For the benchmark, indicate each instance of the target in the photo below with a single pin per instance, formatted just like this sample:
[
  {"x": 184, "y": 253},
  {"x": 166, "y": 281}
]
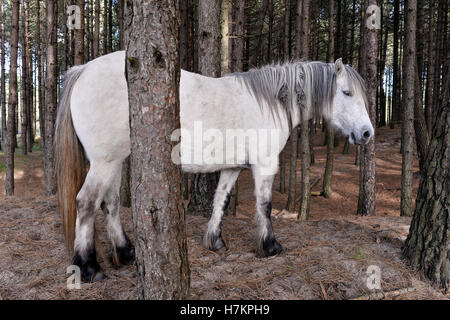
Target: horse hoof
[
  {"x": 126, "y": 254},
  {"x": 214, "y": 242},
  {"x": 98, "y": 276},
  {"x": 270, "y": 247},
  {"x": 90, "y": 269}
]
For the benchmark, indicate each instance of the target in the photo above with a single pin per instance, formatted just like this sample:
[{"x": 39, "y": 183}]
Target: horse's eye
[{"x": 347, "y": 93}]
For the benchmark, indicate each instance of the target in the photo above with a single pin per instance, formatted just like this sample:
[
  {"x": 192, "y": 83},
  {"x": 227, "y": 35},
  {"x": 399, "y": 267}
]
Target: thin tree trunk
[
  {"x": 40, "y": 62},
  {"x": 3, "y": 77},
  {"x": 238, "y": 48},
  {"x": 259, "y": 29},
  {"x": 406, "y": 208},
  {"x": 158, "y": 214},
  {"x": 368, "y": 204},
  {"x": 105, "y": 27},
  {"x": 430, "y": 67},
  {"x": 9, "y": 149},
  {"x": 120, "y": 19},
  {"x": 304, "y": 133},
  {"x": 24, "y": 82},
  {"x": 326, "y": 190},
  {"x": 97, "y": 29},
  {"x": 396, "y": 77},
  {"x": 352, "y": 35},
  {"x": 203, "y": 186},
  {"x": 51, "y": 99},
  {"x": 79, "y": 36},
  {"x": 110, "y": 24}
]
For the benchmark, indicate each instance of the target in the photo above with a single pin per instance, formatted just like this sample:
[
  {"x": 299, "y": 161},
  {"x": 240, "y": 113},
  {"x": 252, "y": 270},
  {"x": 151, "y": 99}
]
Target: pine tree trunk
[
  {"x": 203, "y": 186},
  {"x": 430, "y": 67},
  {"x": 426, "y": 247},
  {"x": 352, "y": 35},
  {"x": 105, "y": 27},
  {"x": 79, "y": 36},
  {"x": 12, "y": 101},
  {"x": 368, "y": 205},
  {"x": 406, "y": 208},
  {"x": 304, "y": 132},
  {"x": 259, "y": 29},
  {"x": 97, "y": 29},
  {"x": 40, "y": 65},
  {"x": 239, "y": 43},
  {"x": 51, "y": 99},
  {"x": 396, "y": 80},
  {"x": 3, "y": 80},
  {"x": 326, "y": 190},
  {"x": 110, "y": 24},
  {"x": 158, "y": 214},
  {"x": 24, "y": 82}
]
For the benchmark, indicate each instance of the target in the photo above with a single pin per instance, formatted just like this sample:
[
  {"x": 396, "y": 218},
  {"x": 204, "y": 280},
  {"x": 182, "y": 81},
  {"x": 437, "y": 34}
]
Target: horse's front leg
[
  {"x": 267, "y": 245},
  {"x": 213, "y": 236}
]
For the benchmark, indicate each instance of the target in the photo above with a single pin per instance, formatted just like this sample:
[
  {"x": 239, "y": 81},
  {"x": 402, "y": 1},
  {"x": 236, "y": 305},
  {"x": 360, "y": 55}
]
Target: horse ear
[{"x": 339, "y": 67}]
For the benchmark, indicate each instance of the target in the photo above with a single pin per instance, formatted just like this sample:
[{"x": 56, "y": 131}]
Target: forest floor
[{"x": 326, "y": 257}]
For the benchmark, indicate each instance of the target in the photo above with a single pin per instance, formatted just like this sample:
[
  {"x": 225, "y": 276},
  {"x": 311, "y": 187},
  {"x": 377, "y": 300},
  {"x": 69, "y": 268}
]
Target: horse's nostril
[{"x": 366, "y": 134}]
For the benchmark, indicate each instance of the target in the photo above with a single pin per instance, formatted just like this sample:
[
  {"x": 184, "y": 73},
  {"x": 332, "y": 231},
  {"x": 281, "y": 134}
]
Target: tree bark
[
  {"x": 24, "y": 83},
  {"x": 12, "y": 101},
  {"x": 105, "y": 27},
  {"x": 368, "y": 204},
  {"x": 259, "y": 29},
  {"x": 51, "y": 99},
  {"x": 396, "y": 77},
  {"x": 427, "y": 244},
  {"x": 3, "y": 79},
  {"x": 304, "y": 132},
  {"x": 430, "y": 66},
  {"x": 97, "y": 30},
  {"x": 152, "y": 35},
  {"x": 40, "y": 65},
  {"x": 406, "y": 208},
  {"x": 110, "y": 23},
  {"x": 326, "y": 190},
  {"x": 79, "y": 36},
  {"x": 203, "y": 186}
]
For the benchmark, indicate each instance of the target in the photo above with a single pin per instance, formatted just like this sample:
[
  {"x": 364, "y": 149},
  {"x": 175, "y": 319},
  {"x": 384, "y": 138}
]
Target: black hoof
[
  {"x": 270, "y": 247},
  {"x": 90, "y": 269},
  {"x": 214, "y": 242},
  {"x": 126, "y": 254}
]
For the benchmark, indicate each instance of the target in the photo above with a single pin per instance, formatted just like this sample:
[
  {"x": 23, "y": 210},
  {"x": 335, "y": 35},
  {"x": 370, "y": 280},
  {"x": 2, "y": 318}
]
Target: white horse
[{"x": 93, "y": 121}]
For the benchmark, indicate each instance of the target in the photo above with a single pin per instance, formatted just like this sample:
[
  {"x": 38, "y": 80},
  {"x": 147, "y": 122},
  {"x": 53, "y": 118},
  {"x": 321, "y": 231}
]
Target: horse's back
[{"x": 99, "y": 107}]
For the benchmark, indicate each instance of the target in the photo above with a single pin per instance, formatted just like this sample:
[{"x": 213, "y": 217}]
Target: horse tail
[{"x": 70, "y": 158}]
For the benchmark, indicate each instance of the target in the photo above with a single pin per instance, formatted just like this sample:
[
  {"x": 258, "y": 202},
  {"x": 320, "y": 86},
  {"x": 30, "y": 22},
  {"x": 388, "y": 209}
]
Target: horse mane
[{"x": 310, "y": 84}]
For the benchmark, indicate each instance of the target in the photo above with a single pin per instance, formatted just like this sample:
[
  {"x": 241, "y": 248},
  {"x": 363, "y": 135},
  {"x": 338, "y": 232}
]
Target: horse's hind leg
[
  {"x": 123, "y": 249},
  {"x": 88, "y": 201},
  {"x": 267, "y": 245},
  {"x": 213, "y": 236}
]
